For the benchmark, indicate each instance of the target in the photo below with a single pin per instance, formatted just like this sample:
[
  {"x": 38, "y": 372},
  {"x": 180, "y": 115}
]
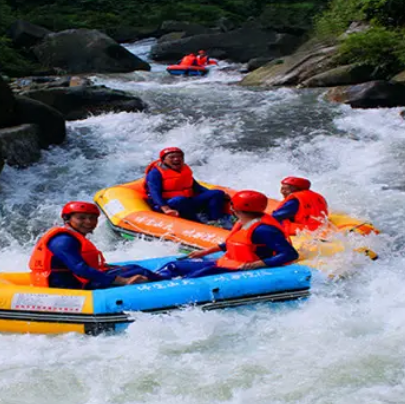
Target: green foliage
[
  {"x": 13, "y": 63},
  {"x": 6, "y": 16},
  {"x": 337, "y": 18},
  {"x": 378, "y": 47},
  {"x": 385, "y": 12}
]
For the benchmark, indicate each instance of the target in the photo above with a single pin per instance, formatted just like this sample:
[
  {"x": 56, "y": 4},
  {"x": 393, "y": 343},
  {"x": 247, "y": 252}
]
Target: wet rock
[
  {"x": 255, "y": 63},
  {"x": 131, "y": 34},
  {"x": 19, "y": 145},
  {"x": 7, "y": 103},
  {"x": 240, "y": 45},
  {"x": 173, "y": 36},
  {"x": 374, "y": 94},
  {"x": 25, "y": 34},
  {"x": 309, "y": 60},
  {"x": 86, "y": 51},
  {"x": 399, "y": 78},
  {"x": 51, "y": 124},
  {"x": 341, "y": 75},
  {"x": 80, "y": 102}
]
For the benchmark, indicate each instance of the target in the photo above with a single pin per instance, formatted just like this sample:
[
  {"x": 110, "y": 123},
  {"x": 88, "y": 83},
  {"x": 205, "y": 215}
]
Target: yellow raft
[{"x": 129, "y": 214}]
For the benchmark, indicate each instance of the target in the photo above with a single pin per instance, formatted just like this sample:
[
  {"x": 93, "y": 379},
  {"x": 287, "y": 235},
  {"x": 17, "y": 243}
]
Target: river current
[{"x": 343, "y": 345}]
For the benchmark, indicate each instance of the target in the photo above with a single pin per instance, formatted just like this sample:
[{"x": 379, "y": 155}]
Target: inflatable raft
[
  {"x": 179, "y": 70},
  {"x": 129, "y": 214},
  {"x": 28, "y": 309}
]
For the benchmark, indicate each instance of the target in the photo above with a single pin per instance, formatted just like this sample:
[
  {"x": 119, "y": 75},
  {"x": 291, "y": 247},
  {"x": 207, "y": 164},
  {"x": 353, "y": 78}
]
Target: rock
[
  {"x": 188, "y": 28},
  {"x": 86, "y": 51},
  {"x": 399, "y": 78},
  {"x": 255, "y": 63},
  {"x": 80, "y": 102},
  {"x": 354, "y": 28},
  {"x": 7, "y": 103},
  {"x": 173, "y": 36},
  {"x": 240, "y": 45},
  {"x": 25, "y": 34},
  {"x": 51, "y": 124},
  {"x": 374, "y": 94},
  {"x": 402, "y": 114},
  {"x": 19, "y": 145},
  {"x": 309, "y": 60},
  {"x": 225, "y": 24},
  {"x": 339, "y": 76},
  {"x": 131, "y": 34}
]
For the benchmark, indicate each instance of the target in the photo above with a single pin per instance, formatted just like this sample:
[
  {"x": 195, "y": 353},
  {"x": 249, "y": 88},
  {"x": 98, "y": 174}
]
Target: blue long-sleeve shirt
[
  {"x": 154, "y": 185},
  {"x": 271, "y": 241},
  {"x": 287, "y": 211},
  {"x": 66, "y": 251}
]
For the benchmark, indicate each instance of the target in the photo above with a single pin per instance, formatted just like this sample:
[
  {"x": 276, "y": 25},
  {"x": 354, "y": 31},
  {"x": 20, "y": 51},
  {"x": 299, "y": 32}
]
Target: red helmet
[
  {"x": 300, "y": 183},
  {"x": 249, "y": 201},
  {"x": 80, "y": 207},
  {"x": 168, "y": 150},
  {"x": 202, "y": 52}
]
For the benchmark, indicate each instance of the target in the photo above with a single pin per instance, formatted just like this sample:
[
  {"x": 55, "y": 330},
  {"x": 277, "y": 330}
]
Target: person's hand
[
  {"x": 119, "y": 280},
  {"x": 252, "y": 265},
  {"x": 169, "y": 211},
  {"x": 197, "y": 254}
]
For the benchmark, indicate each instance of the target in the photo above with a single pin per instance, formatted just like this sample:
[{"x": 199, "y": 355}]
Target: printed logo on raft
[{"x": 45, "y": 302}]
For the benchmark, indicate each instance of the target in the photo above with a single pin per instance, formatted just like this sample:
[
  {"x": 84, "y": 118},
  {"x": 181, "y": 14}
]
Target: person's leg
[
  {"x": 212, "y": 202},
  {"x": 207, "y": 271},
  {"x": 182, "y": 268},
  {"x": 126, "y": 271},
  {"x": 185, "y": 207}
]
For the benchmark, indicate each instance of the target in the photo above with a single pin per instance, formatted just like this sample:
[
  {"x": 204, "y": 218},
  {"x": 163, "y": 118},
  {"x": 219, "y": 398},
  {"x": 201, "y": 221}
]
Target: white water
[{"x": 344, "y": 345}]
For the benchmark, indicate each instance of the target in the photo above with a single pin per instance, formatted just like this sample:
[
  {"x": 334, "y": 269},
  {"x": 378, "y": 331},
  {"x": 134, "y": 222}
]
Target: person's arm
[
  {"x": 287, "y": 211},
  {"x": 154, "y": 185},
  {"x": 203, "y": 253},
  {"x": 66, "y": 249},
  {"x": 274, "y": 240},
  {"x": 198, "y": 188}
]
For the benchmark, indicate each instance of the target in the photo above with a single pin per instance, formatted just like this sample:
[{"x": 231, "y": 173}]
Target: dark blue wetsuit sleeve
[
  {"x": 287, "y": 211},
  {"x": 198, "y": 188},
  {"x": 274, "y": 241},
  {"x": 66, "y": 249},
  {"x": 222, "y": 246},
  {"x": 154, "y": 185}
]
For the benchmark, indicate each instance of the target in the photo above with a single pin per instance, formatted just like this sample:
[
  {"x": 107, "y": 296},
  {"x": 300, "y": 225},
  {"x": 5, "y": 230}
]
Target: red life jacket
[
  {"x": 174, "y": 183},
  {"x": 239, "y": 246},
  {"x": 40, "y": 262},
  {"x": 202, "y": 60},
  {"x": 188, "y": 60},
  {"x": 311, "y": 213}
]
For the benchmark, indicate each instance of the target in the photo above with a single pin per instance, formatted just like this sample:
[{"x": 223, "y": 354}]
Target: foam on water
[{"x": 345, "y": 344}]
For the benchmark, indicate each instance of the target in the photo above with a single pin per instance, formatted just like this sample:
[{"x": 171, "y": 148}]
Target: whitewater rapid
[{"x": 344, "y": 345}]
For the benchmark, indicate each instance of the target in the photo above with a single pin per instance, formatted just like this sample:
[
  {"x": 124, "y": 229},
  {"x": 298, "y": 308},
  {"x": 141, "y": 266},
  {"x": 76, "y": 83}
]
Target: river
[{"x": 343, "y": 345}]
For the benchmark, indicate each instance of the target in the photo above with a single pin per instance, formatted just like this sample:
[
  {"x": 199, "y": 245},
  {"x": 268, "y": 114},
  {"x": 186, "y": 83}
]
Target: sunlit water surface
[{"x": 344, "y": 345}]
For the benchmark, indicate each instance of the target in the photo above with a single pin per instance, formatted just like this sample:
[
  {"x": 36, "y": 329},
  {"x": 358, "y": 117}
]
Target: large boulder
[
  {"x": 19, "y": 145},
  {"x": 240, "y": 45},
  {"x": 399, "y": 78},
  {"x": 7, "y": 103},
  {"x": 188, "y": 28},
  {"x": 340, "y": 76},
  {"x": 131, "y": 34},
  {"x": 374, "y": 94},
  {"x": 80, "y": 102},
  {"x": 86, "y": 51},
  {"x": 25, "y": 34},
  {"x": 51, "y": 124},
  {"x": 309, "y": 60}
]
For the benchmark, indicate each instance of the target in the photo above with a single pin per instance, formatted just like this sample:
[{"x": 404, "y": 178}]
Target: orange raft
[{"x": 129, "y": 214}]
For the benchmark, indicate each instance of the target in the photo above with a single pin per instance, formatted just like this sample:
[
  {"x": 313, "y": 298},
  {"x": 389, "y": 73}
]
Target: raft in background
[
  {"x": 129, "y": 214},
  {"x": 179, "y": 70},
  {"x": 29, "y": 309}
]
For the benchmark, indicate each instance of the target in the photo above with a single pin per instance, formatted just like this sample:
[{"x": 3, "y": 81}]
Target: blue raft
[{"x": 285, "y": 283}]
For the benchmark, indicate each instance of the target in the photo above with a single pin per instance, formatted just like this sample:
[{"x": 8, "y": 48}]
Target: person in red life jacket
[
  {"x": 204, "y": 60},
  {"x": 65, "y": 258},
  {"x": 172, "y": 189},
  {"x": 257, "y": 240},
  {"x": 189, "y": 60},
  {"x": 301, "y": 208}
]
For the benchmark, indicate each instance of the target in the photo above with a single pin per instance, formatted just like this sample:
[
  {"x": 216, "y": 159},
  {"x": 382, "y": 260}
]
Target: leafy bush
[
  {"x": 337, "y": 18},
  {"x": 385, "y": 12},
  {"x": 378, "y": 47}
]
